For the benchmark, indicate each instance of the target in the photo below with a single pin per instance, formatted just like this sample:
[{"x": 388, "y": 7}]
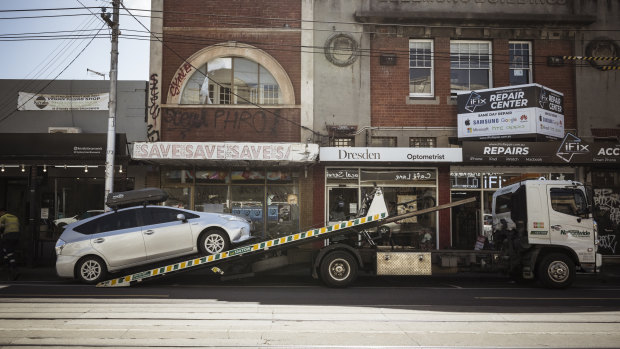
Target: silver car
[{"x": 90, "y": 248}]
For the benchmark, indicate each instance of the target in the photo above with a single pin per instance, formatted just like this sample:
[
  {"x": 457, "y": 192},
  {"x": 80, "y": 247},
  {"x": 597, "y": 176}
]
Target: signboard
[
  {"x": 297, "y": 152},
  {"x": 386, "y": 154},
  {"x": 31, "y": 101},
  {"x": 523, "y": 111},
  {"x": 571, "y": 150},
  {"x": 68, "y": 147}
]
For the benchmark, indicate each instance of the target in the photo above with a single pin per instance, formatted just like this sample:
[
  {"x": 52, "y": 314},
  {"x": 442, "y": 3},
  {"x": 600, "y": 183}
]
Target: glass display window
[
  {"x": 211, "y": 198},
  {"x": 282, "y": 210}
]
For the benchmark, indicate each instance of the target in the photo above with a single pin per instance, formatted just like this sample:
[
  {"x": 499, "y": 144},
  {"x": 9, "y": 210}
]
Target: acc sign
[{"x": 609, "y": 151}]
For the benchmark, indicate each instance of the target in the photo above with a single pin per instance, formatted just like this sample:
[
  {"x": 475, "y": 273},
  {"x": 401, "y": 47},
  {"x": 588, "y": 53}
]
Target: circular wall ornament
[
  {"x": 341, "y": 49},
  {"x": 603, "y": 48}
]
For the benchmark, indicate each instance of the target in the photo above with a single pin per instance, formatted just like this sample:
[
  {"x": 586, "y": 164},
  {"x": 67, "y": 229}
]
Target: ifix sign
[{"x": 524, "y": 111}]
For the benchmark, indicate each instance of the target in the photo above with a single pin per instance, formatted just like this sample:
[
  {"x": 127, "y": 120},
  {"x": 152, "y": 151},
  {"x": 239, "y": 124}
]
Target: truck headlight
[{"x": 60, "y": 244}]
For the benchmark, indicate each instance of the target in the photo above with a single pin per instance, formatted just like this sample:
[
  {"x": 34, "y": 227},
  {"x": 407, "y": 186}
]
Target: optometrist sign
[
  {"x": 523, "y": 111},
  {"x": 385, "y": 154}
]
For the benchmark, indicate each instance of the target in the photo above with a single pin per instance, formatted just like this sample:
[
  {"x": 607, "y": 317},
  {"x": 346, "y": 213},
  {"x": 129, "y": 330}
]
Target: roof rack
[{"x": 136, "y": 197}]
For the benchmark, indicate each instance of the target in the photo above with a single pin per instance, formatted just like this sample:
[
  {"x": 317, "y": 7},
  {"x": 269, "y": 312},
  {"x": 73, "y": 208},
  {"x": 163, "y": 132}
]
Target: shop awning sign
[
  {"x": 511, "y": 112},
  {"x": 51, "y": 102},
  {"x": 294, "y": 152},
  {"x": 570, "y": 150},
  {"x": 386, "y": 154}
]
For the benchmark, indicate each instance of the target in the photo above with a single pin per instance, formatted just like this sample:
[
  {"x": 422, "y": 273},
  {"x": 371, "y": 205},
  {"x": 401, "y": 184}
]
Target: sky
[{"x": 46, "y": 59}]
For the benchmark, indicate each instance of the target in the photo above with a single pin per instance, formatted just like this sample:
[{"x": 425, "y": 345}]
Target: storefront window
[
  {"x": 211, "y": 198},
  {"x": 178, "y": 197},
  {"x": 405, "y": 190},
  {"x": 249, "y": 201},
  {"x": 282, "y": 210}
]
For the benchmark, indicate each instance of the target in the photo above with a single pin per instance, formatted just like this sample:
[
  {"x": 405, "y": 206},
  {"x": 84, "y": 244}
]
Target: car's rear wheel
[
  {"x": 91, "y": 270},
  {"x": 212, "y": 242}
]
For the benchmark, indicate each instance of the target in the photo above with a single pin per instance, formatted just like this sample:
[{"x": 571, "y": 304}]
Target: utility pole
[{"x": 109, "y": 159}]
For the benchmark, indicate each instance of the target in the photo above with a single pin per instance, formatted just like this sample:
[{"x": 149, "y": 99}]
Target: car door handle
[
  {"x": 149, "y": 232},
  {"x": 99, "y": 240}
]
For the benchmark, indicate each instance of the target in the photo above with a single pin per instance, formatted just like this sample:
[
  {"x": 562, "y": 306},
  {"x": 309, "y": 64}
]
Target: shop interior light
[
  {"x": 85, "y": 168},
  {"x": 2, "y": 168},
  {"x": 120, "y": 169},
  {"x": 23, "y": 168},
  {"x": 44, "y": 168}
]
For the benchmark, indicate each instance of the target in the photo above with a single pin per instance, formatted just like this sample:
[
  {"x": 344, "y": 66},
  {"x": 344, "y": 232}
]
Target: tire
[
  {"x": 212, "y": 242},
  {"x": 556, "y": 270},
  {"x": 338, "y": 269},
  {"x": 91, "y": 270}
]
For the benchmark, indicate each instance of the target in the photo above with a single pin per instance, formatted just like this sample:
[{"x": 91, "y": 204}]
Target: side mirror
[{"x": 181, "y": 217}]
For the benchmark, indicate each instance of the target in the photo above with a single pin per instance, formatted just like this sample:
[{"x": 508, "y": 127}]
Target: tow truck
[{"x": 542, "y": 230}]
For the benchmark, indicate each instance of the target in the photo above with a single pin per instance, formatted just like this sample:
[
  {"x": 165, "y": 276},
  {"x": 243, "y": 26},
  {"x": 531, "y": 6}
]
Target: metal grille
[{"x": 404, "y": 263}]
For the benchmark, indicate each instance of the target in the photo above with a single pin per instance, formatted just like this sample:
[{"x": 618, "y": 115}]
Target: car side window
[
  {"x": 118, "y": 220},
  {"x": 158, "y": 215}
]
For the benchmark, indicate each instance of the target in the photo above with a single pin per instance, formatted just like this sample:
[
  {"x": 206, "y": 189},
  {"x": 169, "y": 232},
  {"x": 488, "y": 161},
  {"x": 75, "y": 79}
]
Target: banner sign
[
  {"x": 297, "y": 152},
  {"x": 571, "y": 150},
  {"x": 511, "y": 112},
  {"x": 386, "y": 154},
  {"x": 31, "y": 101}
]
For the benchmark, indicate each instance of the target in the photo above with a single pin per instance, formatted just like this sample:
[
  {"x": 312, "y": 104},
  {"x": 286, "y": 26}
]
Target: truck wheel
[
  {"x": 91, "y": 270},
  {"x": 338, "y": 269},
  {"x": 212, "y": 242},
  {"x": 556, "y": 270}
]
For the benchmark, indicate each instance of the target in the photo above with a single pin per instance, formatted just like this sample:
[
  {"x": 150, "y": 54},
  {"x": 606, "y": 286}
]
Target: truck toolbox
[{"x": 144, "y": 196}]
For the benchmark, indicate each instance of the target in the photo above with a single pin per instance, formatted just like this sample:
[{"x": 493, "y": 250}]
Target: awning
[
  {"x": 229, "y": 154},
  {"x": 59, "y": 148}
]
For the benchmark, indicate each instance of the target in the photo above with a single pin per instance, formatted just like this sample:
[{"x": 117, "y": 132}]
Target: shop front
[
  {"x": 489, "y": 165},
  {"x": 411, "y": 179},
  {"x": 45, "y": 177},
  {"x": 264, "y": 182}
]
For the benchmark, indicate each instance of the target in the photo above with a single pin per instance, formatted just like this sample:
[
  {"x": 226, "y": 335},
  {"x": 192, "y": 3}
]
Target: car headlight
[
  {"x": 234, "y": 218},
  {"x": 60, "y": 244}
]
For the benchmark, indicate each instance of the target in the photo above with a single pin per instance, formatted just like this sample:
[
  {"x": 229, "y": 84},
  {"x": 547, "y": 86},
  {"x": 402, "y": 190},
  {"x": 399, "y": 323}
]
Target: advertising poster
[{"x": 524, "y": 111}]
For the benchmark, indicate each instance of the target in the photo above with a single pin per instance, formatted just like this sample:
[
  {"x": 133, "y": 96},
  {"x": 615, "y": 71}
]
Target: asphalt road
[{"x": 295, "y": 311}]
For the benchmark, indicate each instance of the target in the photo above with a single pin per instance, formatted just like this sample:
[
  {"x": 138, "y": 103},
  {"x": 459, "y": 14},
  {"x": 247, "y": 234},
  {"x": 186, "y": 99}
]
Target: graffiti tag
[
  {"x": 608, "y": 242},
  {"x": 608, "y": 201},
  {"x": 154, "y": 109},
  {"x": 177, "y": 81}
]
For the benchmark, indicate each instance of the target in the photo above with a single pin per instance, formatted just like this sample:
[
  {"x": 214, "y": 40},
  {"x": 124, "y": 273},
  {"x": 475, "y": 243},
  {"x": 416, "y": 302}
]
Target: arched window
[{"x": 231, "y": 80}]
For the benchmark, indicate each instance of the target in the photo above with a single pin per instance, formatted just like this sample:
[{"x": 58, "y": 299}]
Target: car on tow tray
[{"x": 129, "y": 237}]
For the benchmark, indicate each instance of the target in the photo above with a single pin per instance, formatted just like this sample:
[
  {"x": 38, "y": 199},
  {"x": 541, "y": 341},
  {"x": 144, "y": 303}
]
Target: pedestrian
[{"x": 9, "y": 241}]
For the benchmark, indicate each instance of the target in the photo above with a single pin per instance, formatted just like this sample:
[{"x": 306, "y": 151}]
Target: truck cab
[{"x": 546, "y": 230}]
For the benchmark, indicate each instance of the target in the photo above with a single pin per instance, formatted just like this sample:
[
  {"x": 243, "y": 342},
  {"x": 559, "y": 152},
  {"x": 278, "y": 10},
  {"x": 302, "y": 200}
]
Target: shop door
[
  {"x": 466, "y": 220},
  {"x": 342, "y": 203}
]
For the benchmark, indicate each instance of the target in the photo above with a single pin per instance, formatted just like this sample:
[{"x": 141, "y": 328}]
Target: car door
[
  {"x": 570, "y": 224},
  {"x": 118, "y": 238},
  {"x": 164, "y": 234}
]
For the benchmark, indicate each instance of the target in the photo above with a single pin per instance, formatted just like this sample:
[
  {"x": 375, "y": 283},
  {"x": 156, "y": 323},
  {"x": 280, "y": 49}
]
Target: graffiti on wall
[
  {"x": 221, "y": 120},
  {"x": 153, "y": 125},
  {"x": 178, "y": 79},
  {"x": 607, "y": 215}
]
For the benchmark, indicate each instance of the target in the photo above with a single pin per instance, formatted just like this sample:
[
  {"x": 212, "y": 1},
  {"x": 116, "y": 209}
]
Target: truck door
[{"x": 571, "y": 224}]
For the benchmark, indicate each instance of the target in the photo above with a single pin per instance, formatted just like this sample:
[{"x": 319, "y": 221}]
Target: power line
[{"x": 54, "y": 79}]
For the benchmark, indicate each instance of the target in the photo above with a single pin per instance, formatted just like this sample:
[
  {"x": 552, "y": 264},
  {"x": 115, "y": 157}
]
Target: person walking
[{"x": 9, "y": 241}]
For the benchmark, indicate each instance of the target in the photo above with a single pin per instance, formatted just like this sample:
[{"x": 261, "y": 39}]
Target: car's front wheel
[
  {"x": 212, "y": 242},
  {"x": 91, "y": 270}
]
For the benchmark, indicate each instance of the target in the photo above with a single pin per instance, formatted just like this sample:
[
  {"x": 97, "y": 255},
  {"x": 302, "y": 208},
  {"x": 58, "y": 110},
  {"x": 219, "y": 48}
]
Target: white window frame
[
  {"x": 490, "y": 69},
  {"x": 432, "y": 68},
  {"x": 530, "y": 66}
]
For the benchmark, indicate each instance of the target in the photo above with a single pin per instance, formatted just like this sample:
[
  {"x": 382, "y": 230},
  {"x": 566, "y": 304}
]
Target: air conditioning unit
[{"x": 64, "y": 130}]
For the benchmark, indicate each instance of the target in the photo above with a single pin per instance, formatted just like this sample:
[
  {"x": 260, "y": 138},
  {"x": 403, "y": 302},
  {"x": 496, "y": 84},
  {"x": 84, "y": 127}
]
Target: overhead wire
[
  {"x": 54, "y": 79},
  {"x": 47, "y": 66}
]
